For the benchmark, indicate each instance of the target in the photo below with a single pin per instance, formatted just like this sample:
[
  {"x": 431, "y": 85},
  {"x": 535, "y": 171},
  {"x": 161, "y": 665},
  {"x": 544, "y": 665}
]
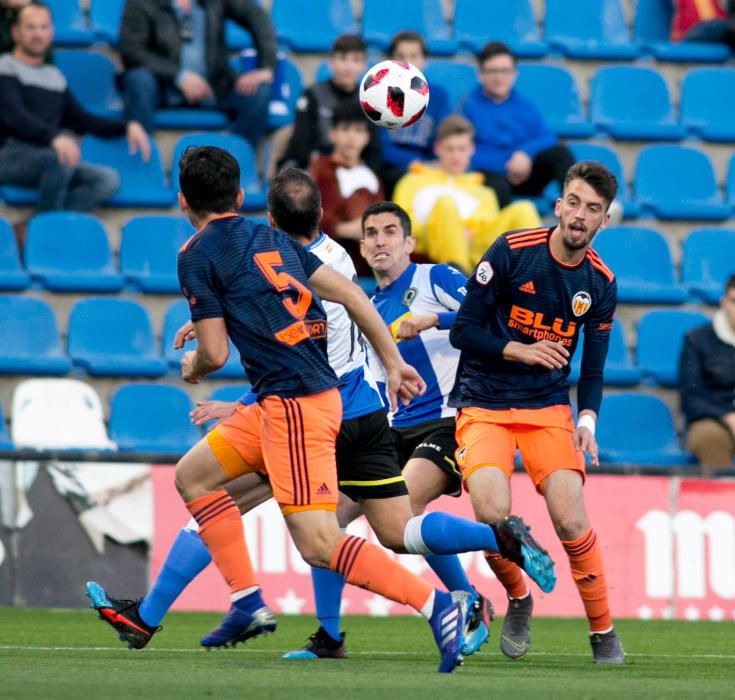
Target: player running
[{"x": 518, "y": 328}]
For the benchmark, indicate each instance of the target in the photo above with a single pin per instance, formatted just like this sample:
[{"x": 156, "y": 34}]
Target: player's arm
[{"x": 211, "y": 352}]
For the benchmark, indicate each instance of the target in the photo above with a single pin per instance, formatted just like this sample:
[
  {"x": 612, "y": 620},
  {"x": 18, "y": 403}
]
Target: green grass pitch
[{"x": 70, "y": 654}]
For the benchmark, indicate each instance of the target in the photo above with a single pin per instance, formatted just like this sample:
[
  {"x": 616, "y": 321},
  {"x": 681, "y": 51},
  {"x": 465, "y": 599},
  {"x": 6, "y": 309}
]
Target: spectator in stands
[
  {"x": 8, "y": 8},
  {"x": 35, "y": 106},
  {"x": 401, "y": 147},
  {"x": 175, "y": 56},
  {"x": 516, "y": 151},
  {"x": 454, "y": 217},
  {"x": 707, "y": 386},
  {"x": 316, "y": 106},
  {"x": 707, "y": 21},
  {"x": 347, "y": 185}
]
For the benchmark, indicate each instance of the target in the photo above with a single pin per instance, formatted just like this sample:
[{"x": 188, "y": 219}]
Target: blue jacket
[{"x": 500, "y": 129}]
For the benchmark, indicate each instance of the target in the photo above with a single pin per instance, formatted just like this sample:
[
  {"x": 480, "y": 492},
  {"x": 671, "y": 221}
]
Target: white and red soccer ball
[{"x": 394, "y": 94}]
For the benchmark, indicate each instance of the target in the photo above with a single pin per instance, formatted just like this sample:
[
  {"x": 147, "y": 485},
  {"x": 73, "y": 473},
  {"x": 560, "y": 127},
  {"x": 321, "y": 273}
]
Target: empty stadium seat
[
  {"x": 255, "y": 192},
  {"x": 187, "y": 118},
  {"x": 730, "y": 184},
  {"x": 141, "y": 184},
  {"x": 104, "y": 19},
  {"x": 152, "y": 418},
  {"x": 315, "y": 30},
  {"x": 637, "y": 429},
  {"x": 69, "y": 252},
  {"x": 478, "y": 21},
  {"x": 91, "y": 79},
  {"x": 689, "y": 190},
  {"x": 31, "y": 342},
  {"x": 18, "y": 196},
  {"x": 381, "y": 19},
  {"x": 70, "y": 25},
  {"x": 633, "y": 102},
  {"x": 619, "y": 369},
  {"x": 593, "y": 29},
  {"x": 287, "y": 88},
  {"x": 660, "y": 337},
  {"x": 231, "y": 392},
  {"x": 458, "y": 79},
  {"x": 553, "y": 88},
  {"x": 641, "y": 261},
  {"x": 113, "y": 337},
  {"x": 12, "y": 275},
  {"x": 706, "y": 98},
  {"x": 708, "y": 260},
  {"x": 149, "y": 247}
]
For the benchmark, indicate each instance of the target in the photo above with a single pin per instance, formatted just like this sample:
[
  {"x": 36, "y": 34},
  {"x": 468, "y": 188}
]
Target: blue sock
[
  {"x": 449, "y": 571},
  {"x": 447, "y": 534},
  {"x": 187, "y": 557},
  {"x": 251, "y": 602},
  {"x": 328, "y": 587}
]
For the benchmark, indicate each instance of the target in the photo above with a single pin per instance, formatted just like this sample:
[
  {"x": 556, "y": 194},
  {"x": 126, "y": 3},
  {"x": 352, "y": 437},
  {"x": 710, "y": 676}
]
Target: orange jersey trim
[
  {"x": 596, "y": 262},
  {"x": 527, "y": 243}
]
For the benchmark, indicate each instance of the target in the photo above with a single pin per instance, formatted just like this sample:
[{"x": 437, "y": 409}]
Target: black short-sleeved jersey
[
  {"x": 256, "y": 279},
  {"x": 520, "y": 292}
]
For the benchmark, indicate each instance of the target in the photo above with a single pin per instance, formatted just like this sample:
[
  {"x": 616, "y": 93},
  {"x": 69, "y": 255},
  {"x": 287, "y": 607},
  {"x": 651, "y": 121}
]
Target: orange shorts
[
  {"x": 490, "y": 438},
  {"x": 291, "y": 440}
]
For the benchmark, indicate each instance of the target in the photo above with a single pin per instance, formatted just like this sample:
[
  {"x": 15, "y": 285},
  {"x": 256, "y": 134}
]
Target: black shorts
[
  {"x": 367, "y": 462},
  {"x": 435, "y": 441}
]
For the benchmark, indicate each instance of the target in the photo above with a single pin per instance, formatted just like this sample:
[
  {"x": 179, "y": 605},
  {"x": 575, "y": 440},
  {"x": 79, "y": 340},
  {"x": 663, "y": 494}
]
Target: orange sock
[
  {"x": 588, "y": 572},
  {"x": 508, "y": 574},
  {"x": 220, "y": 528},
  {"x": 368, "y": 566}
]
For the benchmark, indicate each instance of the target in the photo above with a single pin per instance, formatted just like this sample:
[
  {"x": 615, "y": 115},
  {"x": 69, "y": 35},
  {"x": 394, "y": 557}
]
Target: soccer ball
[{"x": 394, "y": 94}]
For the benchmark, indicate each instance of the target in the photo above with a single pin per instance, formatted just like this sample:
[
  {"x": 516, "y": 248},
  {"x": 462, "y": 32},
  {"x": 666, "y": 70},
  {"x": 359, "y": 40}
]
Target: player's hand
[
  {"x": 248, "y": 83},
  {"x": 206, "y": 411},
  {"x": 67, "y": 150},
  {"x": 195, "y": 88},
  {"x": 138, "y": 141},
  {"x": 187, "y": 368},
  {"x": 544, "y": 352},
  {"x": 184, "y": 335},
  {"x": 409, "y": 328},
  {"x": 404, "y": 383},
  {"x": 584, "y": 441},
  {"x": 518, "y": 168}
]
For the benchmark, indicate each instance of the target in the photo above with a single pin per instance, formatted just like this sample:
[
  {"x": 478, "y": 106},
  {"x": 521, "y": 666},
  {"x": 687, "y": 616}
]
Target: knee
[
  {"x": 392, "y": 538},
  {"x": 108, "y": 182},
  {"x": 140, "y": 81},
  {"x": 489, "y": 513},
  {"x": 570, "y": 526},
  {"x": 317, "y": 550}
]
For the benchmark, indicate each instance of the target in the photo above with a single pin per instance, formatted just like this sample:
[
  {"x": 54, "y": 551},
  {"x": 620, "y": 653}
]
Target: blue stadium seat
[
  {"x": 593, "y": 29},
  {"x": 708, "y": 260},
  {"x": 69, "y": 252},
  {"x": 230, "y": 392},
  {"x": 287, "y": 88},
  {"x": 12, "y": 275},
  {"x": 706, "y": 97},
  {"x": 381, "y": 19},
  {"x": 237, "y": 38},
  {"x": 730, "y": 184},
  {"x": 114, "y": 338},
  {"x": 637, "y": 429},
  {"x": 187, "y": 118},
  {"x": 689, "y": 190},
  {"x": 641, "y": 261},
  {"x": 660, "y": 337},
  {"x": 31, "y": 343},
  {"x": 149, "y": 247},
  {"x": 5, "y": 442},
  {"x": 152, "y": 418},
  {"x": 255, "y": 192},
  {"x": 141, "y": 184},
  {"x": 651, "y": 30},
  {"x": 619, "y": 368},
  {"x": 70, "y": 25},
  {"x": 632, "y": 102},
  {"x": 18, "y": 196},
  {"x": 91, "y": 78},
  {"x": 313, "y": 30},
  {"x": 104, "y": 18},
  {"x": 478, "y": 21},
  {"x": 553, "y": 88},
  {"x": 458, "y": 79}
]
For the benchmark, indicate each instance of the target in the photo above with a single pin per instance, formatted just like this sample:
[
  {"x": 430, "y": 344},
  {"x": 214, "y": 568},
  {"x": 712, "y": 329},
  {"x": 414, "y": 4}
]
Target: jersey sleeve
[
  {"x": 449, "y": 287},
  {"x": 309, "y": 261},
  {"x": 199, "y": 285}
]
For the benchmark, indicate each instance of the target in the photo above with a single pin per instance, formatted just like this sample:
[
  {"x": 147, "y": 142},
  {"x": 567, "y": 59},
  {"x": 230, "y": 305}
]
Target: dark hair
[
  {"x": 388, "y": 208},
  {"x": 294, "y": 202},
  {"x": 34, "y": 3},
  {"x": 407, "y": 35},
  {"x": 454, "y": 125},
  {"x": 730, "y": 283},
  {"x": 493, "y": 49},
  {"x": 209, "y": 179},
  {"x": 348, "y": 43},
  {"x": 596, "y": 175},
  {"x": 348, "y": 113}
]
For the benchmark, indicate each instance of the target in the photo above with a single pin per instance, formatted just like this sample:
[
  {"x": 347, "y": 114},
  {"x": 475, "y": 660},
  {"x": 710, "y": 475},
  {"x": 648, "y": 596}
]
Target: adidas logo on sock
[
  {"x": 323, "y": 490},
  {"x": 528, "y": 288}
]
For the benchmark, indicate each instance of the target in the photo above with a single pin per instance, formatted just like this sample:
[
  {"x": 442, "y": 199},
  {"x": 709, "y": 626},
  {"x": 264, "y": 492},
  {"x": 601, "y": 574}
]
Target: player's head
[
  {"x": 410, "y": 47},
  {"x": 347, "y": 60},
  {"x": 32, "y": 29},
  {"x": 582, "y": 209},
  {"x": 496, "y": 66},
  {"x": 454, "y": 145},
  {"x": 386, "y": 242},
  {"x": 349, "y": 133},
  {"x": 727, "y": 303},
  {"x": 209, "y": 182},
  {"x": 294, "y": 203}
]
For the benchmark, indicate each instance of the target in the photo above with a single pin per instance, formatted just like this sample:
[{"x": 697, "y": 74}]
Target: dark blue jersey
[
  {"x": 520, "y": 292},
  {"x": 255, "y": 278}
]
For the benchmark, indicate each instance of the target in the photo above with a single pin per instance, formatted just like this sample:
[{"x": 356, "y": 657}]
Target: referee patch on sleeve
[{"x": 484, "y": 273}]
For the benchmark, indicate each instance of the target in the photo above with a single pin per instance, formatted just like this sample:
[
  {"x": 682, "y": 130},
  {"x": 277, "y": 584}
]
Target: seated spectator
[
  {"x": 35, "y": 105},
  {"x": 454, "y": 217},
  {"x": 414, "y": 143},
  {"x": 174, "y": 55},
  {"x": 516, "y": 151},
  {"x": 316, "y": 106},
  {"x": 706, "y": 21},
  {"x": 346, "y": 183},
  {"x": 707, "y": 386},
  {"x": 8, "y": 8}
]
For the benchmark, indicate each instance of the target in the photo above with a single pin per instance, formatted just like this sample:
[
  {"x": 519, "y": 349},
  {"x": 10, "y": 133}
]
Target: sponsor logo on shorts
[
  {"x": 581, "y": 303},
  {"x": 431, "y": 446},
  {"x": 460, "y": 455},
  {"x": 323, "y": 490}
]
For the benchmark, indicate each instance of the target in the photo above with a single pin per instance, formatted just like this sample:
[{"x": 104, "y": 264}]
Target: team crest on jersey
[
  {"x": 581, "y": 303},
  {"x": 484, "y": 273},
  {"x": 408, "y": 296}
]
